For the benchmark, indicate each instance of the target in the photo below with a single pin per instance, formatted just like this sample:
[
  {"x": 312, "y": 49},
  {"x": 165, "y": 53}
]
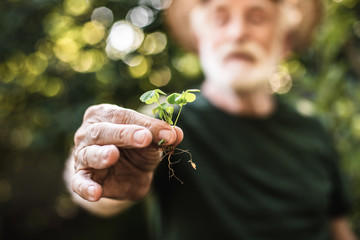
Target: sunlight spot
[
  {"x": 160, "y": 77},
  {"x": 76, "y": 7},
  {"x": 281, "y": 81},
  {"x": 188, "y": 64},
  {"x": 66, "y": 49},
  {"x": 102, "y": 16},
  {"x": 138, "y": 66},
  {"x": 140, "y": 16},
  {"x": 21, "y": 137},
  {"x": 92, "y": 34},
  {"x": 36, "y": 63},
  {"x": 123, "y": 39},
  {"x": 154, "y": 43}
]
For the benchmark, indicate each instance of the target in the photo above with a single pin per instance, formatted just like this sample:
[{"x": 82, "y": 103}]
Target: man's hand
[{"x": 116, "y": 152}]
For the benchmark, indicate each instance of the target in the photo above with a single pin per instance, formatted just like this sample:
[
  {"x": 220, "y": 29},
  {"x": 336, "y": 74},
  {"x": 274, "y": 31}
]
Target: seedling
[{"x": 165, "y": 111}]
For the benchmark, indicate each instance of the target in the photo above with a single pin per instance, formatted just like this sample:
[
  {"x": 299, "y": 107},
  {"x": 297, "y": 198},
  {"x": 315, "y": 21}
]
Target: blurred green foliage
[{"x": 57, "y": 58}]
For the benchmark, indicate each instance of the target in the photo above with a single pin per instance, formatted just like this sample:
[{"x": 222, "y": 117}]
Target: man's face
[{"x": 239, "y": 41}]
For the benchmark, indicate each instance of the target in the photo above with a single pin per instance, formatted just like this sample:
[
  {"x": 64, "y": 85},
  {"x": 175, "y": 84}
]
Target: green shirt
[{"x": 271, "y": 178}]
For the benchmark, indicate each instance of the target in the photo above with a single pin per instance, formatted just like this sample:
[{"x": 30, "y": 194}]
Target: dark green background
[{"x": 40, "y": 112}]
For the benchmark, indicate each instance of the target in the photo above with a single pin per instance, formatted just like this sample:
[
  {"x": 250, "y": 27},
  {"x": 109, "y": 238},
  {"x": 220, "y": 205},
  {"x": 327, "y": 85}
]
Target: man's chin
[{"x": 249, "y": 85}]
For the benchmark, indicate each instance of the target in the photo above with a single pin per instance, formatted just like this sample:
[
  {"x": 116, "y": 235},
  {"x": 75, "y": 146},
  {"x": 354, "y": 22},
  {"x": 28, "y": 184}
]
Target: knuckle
[
  {"x": 91, "y": 111},
  {"x": 147, "y": 122},
  {"x": 118, "y": 114},
  {"x": 83, "y": 153},
  {"x": 94, "y": 133},
  {"x": 121, "y": 133},
  {"x": 96, "y": 111},
  {"x": 76, "y": 159},
  {"x": 79, "y": 136}
]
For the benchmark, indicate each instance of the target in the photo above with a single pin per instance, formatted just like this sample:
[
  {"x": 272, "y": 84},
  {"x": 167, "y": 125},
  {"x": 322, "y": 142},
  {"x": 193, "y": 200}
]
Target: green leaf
[
  {"x": 190, "y": 97},
  {"x": 151, "y": 96},
  {"x": 165, "y": 110},
  {"x": 148, "y": 96},
  {"x": 169, "y": 110},
  {"x": 159, "y": 91},
  {"x": 161, "y": 114},
  {"x": 181, "y": 100},
  {"x": 156, "y": 110},
  {"x": 168, "y": 119},
  {"x": 161, "y": 142},
  {"x": 163, "y": 106},
  {"x": 172, "y": 98}
]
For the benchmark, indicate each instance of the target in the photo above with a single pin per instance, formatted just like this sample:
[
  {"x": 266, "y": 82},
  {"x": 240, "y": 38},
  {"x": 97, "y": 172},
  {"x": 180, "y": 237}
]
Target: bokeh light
[
  {"x": 36, "y": 63},
  {"x": 140, "y": 16},
  {"x": 21, "y": 137},
  {"x": 102, "y": 16},
  {"x": 157, "y": 4},
  {"x": 123, "y": 39},
  {"x": 92, "y": 34},
  {"x": 66, "y": 49},
  {"x": 154, "y": 43},
  {"x": 188, "y": 64},
  {"x": 139, "y": 66},
  {"x": 160, "y": 77},
  {"x": 281, "y": 81},
  {"x": 51, "y": 86},
  {"x": 305, "y": 107},
  {"x": 77, "y": 7}
]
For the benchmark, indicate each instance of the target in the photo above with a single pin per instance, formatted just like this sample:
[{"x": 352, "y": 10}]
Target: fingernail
[
  {"x": 91, "y": 191},
  {"x": 166, "y": 135},
  {"x": 139, "y": 136}
]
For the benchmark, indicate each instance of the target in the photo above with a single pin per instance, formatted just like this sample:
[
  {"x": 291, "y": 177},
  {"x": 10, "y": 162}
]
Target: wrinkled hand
[{"x": 116, "y": 152}]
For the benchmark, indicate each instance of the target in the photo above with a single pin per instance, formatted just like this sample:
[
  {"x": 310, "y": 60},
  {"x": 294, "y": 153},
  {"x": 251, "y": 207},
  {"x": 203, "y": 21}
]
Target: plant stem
[
  {"x": 159, "y": 104},
  {"x": 178, "y": 115}
]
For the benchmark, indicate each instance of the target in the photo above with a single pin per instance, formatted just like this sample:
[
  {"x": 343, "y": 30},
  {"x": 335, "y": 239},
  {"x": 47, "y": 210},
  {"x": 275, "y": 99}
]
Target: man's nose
[{"x": 238, "y": 29}]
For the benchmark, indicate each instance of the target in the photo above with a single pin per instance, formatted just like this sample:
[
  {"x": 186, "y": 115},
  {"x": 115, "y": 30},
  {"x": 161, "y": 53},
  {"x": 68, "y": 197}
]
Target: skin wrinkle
[
  {"x": 118, "y": 115},
  {"x": 120, "y": 133},
  {"x": 94, "y": 133},
  {"x": 84, "y": 160},
  {"x": 145, "y": 166},
  {"x": 101, "y": 175},
  {"x": 131, "y": 186}
]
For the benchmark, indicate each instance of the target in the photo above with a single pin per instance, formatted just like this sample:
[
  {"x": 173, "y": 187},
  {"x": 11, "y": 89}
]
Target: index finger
[{"x": 118, "y": 115}]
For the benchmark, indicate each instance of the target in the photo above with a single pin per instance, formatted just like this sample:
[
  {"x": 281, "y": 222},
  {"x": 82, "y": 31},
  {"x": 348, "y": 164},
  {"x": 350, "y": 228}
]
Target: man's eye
[
  {"x": 257, "y": 17},
  {"x": 220, "y": 17}
]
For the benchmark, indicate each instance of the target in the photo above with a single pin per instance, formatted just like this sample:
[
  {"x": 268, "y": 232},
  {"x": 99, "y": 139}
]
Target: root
[{"x": 168, "y": 153}]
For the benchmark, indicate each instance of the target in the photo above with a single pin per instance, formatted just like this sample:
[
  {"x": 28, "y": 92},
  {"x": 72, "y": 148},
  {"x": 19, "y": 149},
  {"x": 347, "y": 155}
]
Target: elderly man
[{"x": 264, "y": 171}]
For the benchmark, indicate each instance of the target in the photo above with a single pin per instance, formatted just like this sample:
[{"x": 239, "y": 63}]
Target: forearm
[{"x": 105, "y": 207}]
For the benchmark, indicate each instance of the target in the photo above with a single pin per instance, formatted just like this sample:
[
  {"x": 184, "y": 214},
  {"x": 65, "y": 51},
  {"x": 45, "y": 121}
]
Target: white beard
[{"x": 239, "y": 76}]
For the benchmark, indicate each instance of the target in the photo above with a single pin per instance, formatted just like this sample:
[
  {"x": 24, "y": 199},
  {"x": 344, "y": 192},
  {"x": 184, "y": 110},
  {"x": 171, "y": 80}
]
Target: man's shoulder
[{"x": 291, "y": 111}]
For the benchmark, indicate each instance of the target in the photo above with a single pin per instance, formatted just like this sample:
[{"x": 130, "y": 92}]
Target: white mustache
[{"x": 248, "y": 49}]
